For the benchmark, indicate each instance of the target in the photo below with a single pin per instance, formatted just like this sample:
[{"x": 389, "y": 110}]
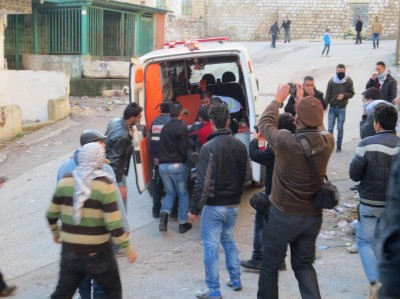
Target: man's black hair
[
  {"x": 219, "y": 114},
  {"x": 386, "y": 115},
  {"x": 164, "y": 106},
  {"x": 205, "y": 94},
  {"x": 381, "y": 63},
  {"x": 286, "y": 122},
  {"x": 341, "y": 66},
  {"x": 216, "y": 101},
  {"x": 308, "y": 78},
  {"x": 203, "y": 113},
  {"x": 133, "y": 109},
  {"x": 175, "y": 109}
]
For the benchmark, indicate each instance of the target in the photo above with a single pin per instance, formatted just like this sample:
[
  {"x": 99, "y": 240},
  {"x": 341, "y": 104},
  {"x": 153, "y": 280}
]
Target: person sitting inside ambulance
[{"x": 234, "y": 106}]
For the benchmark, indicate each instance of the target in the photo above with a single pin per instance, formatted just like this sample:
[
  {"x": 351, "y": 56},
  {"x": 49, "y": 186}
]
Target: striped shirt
[{"x": 101, "y": 218}]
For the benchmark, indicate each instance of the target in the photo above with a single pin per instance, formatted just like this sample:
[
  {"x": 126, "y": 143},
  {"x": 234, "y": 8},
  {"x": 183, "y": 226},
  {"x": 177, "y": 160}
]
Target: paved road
[{"x": 170, "y": 264}]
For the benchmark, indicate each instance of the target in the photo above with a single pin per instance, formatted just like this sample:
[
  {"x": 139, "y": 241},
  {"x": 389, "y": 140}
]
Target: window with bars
[{"x": 186, "y": 7}]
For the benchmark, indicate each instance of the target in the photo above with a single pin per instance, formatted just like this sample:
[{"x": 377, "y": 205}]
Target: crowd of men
[
  {"x": 87, "y": 213},
  {"x": 91, "y": 198}
]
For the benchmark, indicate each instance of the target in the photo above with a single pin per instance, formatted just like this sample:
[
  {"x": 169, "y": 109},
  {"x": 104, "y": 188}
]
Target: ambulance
[{"x": 181, "y": 71}]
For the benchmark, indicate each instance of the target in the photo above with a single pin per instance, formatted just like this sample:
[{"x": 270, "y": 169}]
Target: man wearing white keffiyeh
[
  {"x": 90, "y": 163},
  {"x": 85, "y": 203}
]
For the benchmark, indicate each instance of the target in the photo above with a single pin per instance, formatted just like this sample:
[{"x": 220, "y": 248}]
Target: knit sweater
[{"x": 101, "y": 218}]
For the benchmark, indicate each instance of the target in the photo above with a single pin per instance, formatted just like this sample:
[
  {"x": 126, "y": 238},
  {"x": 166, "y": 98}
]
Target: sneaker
[
  {"x": 352, "y": 249},
  {"x": 8, "y": 290},
  {"x": 338, "y": 150},
  {"x": 208, "y": 293},
  {"x": 251, "y": 264},
  {"x": 373, "y": 290},
  {"x": 282, "y": 266},
  {"x": 236, "y": 285}
]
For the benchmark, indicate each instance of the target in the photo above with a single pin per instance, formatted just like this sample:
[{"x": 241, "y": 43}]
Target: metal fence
[{"x": 60, "y": 31}]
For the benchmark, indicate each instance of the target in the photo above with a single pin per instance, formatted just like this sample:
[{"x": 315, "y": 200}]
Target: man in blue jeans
[
  {"x": 218, "y": 188},
  {"x": 339, "y": 91},
  {"x": 173, "y": 169},
  {"x": 371, "y": 166}
]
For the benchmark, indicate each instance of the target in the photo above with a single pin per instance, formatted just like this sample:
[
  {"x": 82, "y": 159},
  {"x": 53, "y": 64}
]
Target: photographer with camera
[
  {"x": 293, "y": 218},
  {"x": 265, "y": 157},
  {"x": 309, "y": 90}
]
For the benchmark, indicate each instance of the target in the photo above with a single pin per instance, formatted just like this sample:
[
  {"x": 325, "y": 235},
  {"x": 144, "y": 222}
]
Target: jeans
[
  {"x": 273, "y": 43},
  {"x": 340, "y": 115},
  {"x": 365, "y": 238},
  {"x": 257, "y": 239},
  {"x": 158, "y": 189},
  {"x": 326, "y": 47},
  {"x": 85, "y": 289},
  {"x": 217, "y": 224},
  {"x": 101, "y": 267},
  {"x": 287, "y": 35},
  {"x": 375, "y": 39},
  {"x": 174, "y": 177},
  {"x": 300, "y": 232}
]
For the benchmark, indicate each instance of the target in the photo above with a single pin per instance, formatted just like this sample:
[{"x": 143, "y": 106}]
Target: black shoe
[
  {"x": 251, "y": 264},
  {"x": 8, "y": 290},
  {"x": 156, "y": 214},
  {"x": 183, "y": 228},
  {"x": 339, "y": 149},
  {"x": 354, "y": 188},
  {"x": 163, "y": 222},
  {"x": 282, "y": 266}
]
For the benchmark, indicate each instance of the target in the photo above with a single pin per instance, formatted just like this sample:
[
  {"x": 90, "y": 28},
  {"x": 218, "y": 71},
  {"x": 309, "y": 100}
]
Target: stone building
[{"x": 250, "y": 20}]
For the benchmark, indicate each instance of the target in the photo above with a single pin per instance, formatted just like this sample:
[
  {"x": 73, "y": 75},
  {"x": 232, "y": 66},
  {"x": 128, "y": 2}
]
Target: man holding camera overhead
[{"x": 293, "y": 218}]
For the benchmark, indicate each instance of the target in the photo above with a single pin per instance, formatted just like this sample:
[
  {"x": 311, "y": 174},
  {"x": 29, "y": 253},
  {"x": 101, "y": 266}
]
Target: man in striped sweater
[{"x": 85, "y": 202}]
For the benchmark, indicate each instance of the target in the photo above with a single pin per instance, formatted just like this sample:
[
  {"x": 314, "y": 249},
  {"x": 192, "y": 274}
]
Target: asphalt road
[{"x": 170, "y": 264}]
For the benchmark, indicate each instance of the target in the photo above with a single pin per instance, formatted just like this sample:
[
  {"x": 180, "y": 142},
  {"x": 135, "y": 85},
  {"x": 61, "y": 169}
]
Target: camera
[{"x": 293, "y": 88}]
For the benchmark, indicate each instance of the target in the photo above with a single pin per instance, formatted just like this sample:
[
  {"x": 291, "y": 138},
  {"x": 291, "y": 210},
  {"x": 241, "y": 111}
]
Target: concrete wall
[
  {"x": 10, "y": 122},
  {"x": 31, "y": 91},
  {"x": 71, "y": 65}
]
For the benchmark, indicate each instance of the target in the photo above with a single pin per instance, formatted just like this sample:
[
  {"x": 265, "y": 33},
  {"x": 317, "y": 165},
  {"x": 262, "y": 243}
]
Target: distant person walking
[
  {"x": 327, "y": 42},
  {"x": 274, "y": 31},
  {"x": 376, "y": 29},
  {"x": 286, "y": 26},
  {"x": 359, "y": 25}
]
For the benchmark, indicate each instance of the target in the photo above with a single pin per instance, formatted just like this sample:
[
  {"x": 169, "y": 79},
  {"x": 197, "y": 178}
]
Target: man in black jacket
[
  {"x": 119, "y": 144},
  {"x": 384, "y": 82},
  {"x": 173, "y": 168},
  {"x": 359, "y": 25},
  {"x": 309, "y": 90},
  {"x": 371, "y": 166},
  {"x": 218, "y": 189}
]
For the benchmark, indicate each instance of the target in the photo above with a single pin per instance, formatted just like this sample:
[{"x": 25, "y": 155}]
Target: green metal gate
[{"x": 146, "y": 42}]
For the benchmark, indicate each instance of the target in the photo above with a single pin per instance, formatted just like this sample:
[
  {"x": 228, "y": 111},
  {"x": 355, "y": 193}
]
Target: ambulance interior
[{"x": 185, "y": 79}]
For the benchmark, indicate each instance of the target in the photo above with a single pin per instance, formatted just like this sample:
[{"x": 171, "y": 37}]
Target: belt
[{"x": 333, "y": 106}]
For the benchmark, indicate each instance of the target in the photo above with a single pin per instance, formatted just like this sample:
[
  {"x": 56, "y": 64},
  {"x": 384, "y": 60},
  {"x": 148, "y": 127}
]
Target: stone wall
[{"x": 250, "y": 20}]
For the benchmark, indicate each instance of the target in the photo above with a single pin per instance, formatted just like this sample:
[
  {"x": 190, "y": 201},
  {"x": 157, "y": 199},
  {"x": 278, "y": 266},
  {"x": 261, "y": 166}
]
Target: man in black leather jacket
[{"x": 119, "y": 144}]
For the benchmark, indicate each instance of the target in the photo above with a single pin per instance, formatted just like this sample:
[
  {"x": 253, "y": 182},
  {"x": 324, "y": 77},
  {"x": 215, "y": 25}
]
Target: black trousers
[
  {"x": 300, "y": 232},
  {"x": 2, "y": 283},
  {"x": 358, "y": 37},
  {"x": 101, "y": 267}
]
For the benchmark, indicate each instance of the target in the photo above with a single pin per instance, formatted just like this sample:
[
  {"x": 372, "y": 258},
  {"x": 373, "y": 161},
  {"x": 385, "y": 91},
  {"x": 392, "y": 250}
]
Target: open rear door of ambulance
[{"x": 141, "y": 149}]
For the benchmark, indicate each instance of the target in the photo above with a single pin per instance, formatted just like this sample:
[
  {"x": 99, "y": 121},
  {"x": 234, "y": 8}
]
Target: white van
[{"x": 181, "y": 72}]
